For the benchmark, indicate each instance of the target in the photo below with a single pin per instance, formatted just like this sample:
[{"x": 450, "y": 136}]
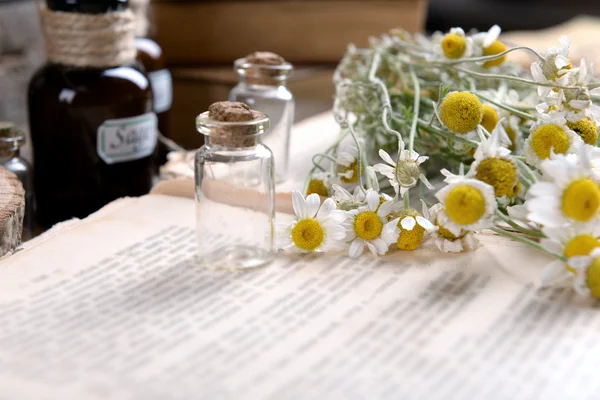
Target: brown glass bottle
[
  {"x": 151, "y": 57},
  {"x": 91, "y": 129}
]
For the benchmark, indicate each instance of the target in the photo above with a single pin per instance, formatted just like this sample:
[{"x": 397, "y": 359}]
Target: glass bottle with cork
[
  {"x": 263, "y": 79},
  {"x": 11, "y": 141},
  {"x": 91, "y": 117},
  {"x": 235, "y": 188}
]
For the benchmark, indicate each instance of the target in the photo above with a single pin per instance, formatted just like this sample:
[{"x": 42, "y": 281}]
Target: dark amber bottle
[
  {"x": 93, "y": 130},
  {"x": 150, "y": 55}
]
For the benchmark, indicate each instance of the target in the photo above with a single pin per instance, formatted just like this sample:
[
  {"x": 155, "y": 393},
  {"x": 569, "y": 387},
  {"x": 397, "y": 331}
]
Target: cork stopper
[
  {"x": 264, "y": 68},
  {"x": 11, "y": 138},
  {"x": 6, "y": 128},
  {"x": 265, "y": 58},
  {"x": 232, "y": 124}
]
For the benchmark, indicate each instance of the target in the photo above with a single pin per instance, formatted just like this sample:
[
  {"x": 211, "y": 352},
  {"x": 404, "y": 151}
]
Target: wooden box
[{"x": 302, "y": 31}]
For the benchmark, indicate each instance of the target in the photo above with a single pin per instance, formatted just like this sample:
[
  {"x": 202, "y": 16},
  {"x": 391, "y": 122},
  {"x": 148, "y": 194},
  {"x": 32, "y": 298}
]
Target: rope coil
[{"x": 89, "y": 40}]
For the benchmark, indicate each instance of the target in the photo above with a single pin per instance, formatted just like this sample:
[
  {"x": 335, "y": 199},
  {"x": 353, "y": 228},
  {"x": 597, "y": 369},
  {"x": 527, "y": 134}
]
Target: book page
[{"x": 117, "y": 308}]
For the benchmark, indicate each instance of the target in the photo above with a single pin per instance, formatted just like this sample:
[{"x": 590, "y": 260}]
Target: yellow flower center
[
  {"x": 454, "y": 46},
  {"x": 461, "y": 112},
  {"x": 581, "y": 200},
  {"x": 496, "y": 47},
  {"x": 593, "y": 277},
  {"x": 447, "y": 234},
  {"x": 308, "y": 234},
  {"x": 317, "y": 186},
  {"x": 581, "y": 245},
  {"x": 499, "y": 173},
  {"x": 410, "y": 240},
  {"x": 512, "y": 135},
  {"x": 490, "y": 118},
  {"x": 514, "y": 192},
  {"x": 548, "y": 137},
  {"x": 367, "y": 225},
  {"x": 587, "y": 129},
  {"x": 354, "y": 168},
  {"x": 465, "y": 204}
]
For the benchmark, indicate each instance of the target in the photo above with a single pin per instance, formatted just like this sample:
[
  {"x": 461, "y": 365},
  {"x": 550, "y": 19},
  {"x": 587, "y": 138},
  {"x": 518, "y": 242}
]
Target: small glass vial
[
  {"x": 235, "y": 188},
  {"x": 263, "y": 78},
  {"x": 11, "y": 141}
]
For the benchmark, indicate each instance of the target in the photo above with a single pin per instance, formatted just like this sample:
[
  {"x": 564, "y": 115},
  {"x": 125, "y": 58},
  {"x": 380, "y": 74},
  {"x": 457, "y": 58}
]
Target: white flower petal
[
  {"x": 386, "y": 157},
  {"x": 326, "y": 208},
  {"x": 299, "y": 204},
  {"x": 391, "y": 232},
  {"x": 372, "y": 200},
  {"x": 380, "y": 246},
  {"x": 311, "y": 205},
  {"x": 425, "y": 223},
  {"x": 552, "y": 271},
  {"x": 580, "y": 262},
  {"x": 408, "y": 223},
  {"x": 356, "y": 248},
  {"x": 385, "y": 209}
]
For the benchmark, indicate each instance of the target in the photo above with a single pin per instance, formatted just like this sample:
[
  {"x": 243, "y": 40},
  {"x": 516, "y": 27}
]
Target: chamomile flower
[
  {"x": 319, "y": 184},
  {"x": 366, "y": 225},
  {"x": 455, "y": 44},
  {"x": 469, "y": 204},
  {"x": 404, "y": 173},
  {"x": 569, "y": 195},
  {"x": 488, "y": 44},
  {"x": 490, "y": 117},
  {"x": 587, "y": 273},
  {"x": 554, "y": 68},
  {"x": 550, "y": 135},
  {"x": 460, "y": 112},
  {"x": 493, "y": 164},
  {"x": 412, "y": 227},
  {"x": 317, "y": 228},
  {"x": 587, "y": 130},
  {"x": 569, "y": 241},
  {"x": 347, "y": 201},
  {"x": 347, "y": 162},
  {"x": 445, "y": 240}
]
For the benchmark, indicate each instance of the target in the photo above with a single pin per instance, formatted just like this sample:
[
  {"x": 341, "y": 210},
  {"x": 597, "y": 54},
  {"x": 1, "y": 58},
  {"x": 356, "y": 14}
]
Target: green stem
[
  {"x": 514, "y": 79},
  {"x": 505, "y": 107},
  {"x": 528, "y": 232},
  {"x": 526, "y": 241},
  {"x": 417, "y": 102},
  {"x": 428, "y": 128},
  {"x": 489, "y": 58}
]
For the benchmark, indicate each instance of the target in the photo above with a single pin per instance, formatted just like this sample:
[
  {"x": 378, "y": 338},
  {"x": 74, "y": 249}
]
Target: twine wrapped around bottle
[
  {"x": 139, "y": 8},
  {"x": 89, "y": 40}
]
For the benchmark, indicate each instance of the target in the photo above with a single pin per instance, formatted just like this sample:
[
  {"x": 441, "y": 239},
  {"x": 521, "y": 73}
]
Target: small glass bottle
[
  {"x": 263, "y": 79},
  {"x": 93, "y": 127},
  {"x": 11, "y": 141},
  {"x": 235, "y": 188}
]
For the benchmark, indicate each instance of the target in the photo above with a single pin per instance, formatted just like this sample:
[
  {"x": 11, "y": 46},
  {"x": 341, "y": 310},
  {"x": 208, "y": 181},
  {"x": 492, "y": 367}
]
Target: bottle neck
[
  {"x": 220, "y": 143},
  {"x": 7, "y": 154},
  {"x": 262, "y": 81}
]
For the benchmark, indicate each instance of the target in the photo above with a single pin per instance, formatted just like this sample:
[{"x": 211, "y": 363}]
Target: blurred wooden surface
[{"x": 306, "y": 31}]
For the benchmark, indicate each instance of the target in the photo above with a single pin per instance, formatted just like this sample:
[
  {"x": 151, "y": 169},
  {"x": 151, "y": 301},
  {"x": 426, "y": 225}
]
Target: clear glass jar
[
  {"x": 263, "y": 88},
  {"x": 11, "y": 141},
  {"x": 235, "y": 194}
]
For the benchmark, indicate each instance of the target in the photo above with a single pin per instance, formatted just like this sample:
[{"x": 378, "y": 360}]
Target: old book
[
  {"x": 115, "y": 306},
  {"x": 308, "y": 31}
]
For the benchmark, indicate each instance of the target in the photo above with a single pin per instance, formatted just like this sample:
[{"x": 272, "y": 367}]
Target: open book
[{"x": 115, "y": 307}]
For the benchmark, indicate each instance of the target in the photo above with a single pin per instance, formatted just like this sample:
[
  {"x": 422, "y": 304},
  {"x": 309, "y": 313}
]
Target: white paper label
[
  {"x": 127, "y": 139},
  {"x": 162, "y": 89}
]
